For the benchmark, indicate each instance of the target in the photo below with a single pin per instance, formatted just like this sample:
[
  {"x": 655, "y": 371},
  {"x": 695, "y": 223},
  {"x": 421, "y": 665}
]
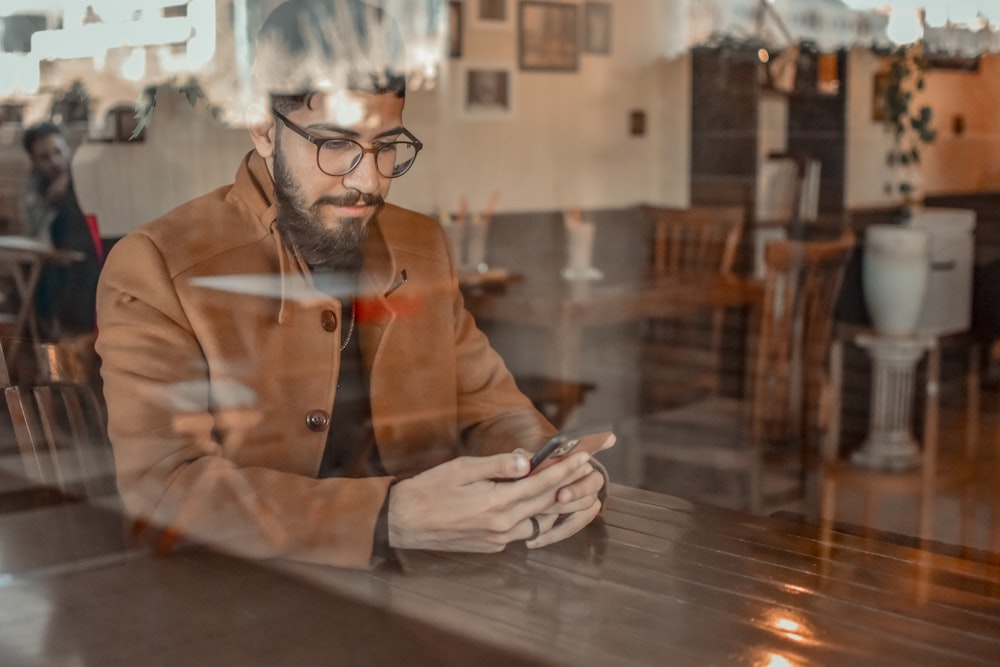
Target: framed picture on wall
[
  {"x": 548, "y": 36},
  {"x": 455, "y": 29},
  {"x": 491, "y": 14},
  {"x": 597, "y": 27},
  {"x": 880, "y": 96},
  {"x": 487, "y": 91}
]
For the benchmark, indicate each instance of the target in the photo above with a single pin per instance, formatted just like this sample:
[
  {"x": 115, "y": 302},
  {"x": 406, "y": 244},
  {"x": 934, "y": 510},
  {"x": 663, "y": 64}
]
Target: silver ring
[{"x": 535, "y": 529}]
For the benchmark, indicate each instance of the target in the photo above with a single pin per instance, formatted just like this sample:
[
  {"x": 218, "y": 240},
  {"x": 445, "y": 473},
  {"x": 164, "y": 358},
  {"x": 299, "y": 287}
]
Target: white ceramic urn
[{"x": 895, "y": 270}]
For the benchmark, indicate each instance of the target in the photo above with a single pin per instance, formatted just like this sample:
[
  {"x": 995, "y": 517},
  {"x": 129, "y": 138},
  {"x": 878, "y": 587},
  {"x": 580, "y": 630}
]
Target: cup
[
  {"x": 455, "y": 233},
  {"x": 475, "y": 248},
  {"x": 579, "y": 247}
]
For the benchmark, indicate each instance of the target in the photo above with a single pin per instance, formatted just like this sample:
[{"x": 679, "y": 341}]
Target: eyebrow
[{"x": 354, "y": 133}]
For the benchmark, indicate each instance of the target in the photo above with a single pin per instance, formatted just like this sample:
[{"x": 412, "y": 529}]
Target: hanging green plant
[
  {"x": 911, "y": 126},
  {"x": 70, "y": 105}
]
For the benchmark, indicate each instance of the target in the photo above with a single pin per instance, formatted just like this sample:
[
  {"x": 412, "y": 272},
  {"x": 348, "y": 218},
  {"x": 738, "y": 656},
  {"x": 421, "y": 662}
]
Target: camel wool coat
[{"x": 220, "y": 361}]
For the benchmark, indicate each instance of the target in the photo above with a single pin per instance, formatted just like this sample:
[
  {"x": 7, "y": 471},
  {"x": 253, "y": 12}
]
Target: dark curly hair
[
  {"x": 344, "y": 42},
  {"x": 37, "y": 132}
]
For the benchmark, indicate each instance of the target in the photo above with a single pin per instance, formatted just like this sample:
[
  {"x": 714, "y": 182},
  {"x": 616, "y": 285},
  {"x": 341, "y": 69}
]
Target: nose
[{"x": 365, "y": 177}]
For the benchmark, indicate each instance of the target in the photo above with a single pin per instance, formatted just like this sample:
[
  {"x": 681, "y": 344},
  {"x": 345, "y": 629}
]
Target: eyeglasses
[{"x": 341, "y": 156}]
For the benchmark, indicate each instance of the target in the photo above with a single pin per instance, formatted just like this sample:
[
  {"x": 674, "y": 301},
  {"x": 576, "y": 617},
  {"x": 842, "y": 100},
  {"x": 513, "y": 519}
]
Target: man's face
[
  {"x": 50, "y": 156},
  {"x": 326, "y": 217}
]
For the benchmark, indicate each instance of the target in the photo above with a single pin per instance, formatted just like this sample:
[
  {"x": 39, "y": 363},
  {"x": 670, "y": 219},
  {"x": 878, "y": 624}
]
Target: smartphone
[{"x": 584, "y": 439}]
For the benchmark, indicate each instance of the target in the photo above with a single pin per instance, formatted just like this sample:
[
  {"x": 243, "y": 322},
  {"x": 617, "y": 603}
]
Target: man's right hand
[
  {"x": 57, "y": 189},
  {"x": 466, "y": 504}
]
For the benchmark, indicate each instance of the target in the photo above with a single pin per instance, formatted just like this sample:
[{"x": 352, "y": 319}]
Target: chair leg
[
  {"x": 966, "y": 509},
  {"x": 972, "y": 403},
  {"x": 869, "y": 509},
  {"x": 756, "y": 490},
  {"x": 925, "y": 529},
  {"x": 828, "y": 499},
  {"x": 995, "y": 523}
]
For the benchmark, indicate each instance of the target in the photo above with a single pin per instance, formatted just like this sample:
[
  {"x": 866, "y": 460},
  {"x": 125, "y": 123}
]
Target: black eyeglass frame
[{"x": 319, "y": 142}]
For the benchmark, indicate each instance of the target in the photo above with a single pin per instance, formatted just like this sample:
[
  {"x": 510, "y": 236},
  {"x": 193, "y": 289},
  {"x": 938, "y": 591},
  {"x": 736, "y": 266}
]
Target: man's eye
[{"x": 339, "y": 145}]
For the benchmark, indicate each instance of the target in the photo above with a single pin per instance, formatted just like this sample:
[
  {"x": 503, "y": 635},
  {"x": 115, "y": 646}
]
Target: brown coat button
[
  {"x": 329, "y": 320},
  {"x": 317, "y": 420}
]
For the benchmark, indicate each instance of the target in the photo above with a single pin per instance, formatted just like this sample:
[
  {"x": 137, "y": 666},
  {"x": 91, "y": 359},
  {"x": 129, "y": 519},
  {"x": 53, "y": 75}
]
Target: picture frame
[
  {"x": 491, "y": 14},
  {"x": 880, "y": 97},
  {"x": 486, "y": 91},
  {"x": 954, "y": 63},
  {"x": 597, "y": 28},
  {"x": 455, "y": 29},
  {"x": 122, "y": 123},
  {"x": 548, "y": 36}
]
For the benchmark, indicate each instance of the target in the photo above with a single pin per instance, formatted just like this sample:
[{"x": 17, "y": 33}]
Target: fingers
[
  {"x": 471, "y": 469},
  {"x": 537, "y": 493},
  {"x": 544, "y": 523},
  {"x": 570, "y": 526},
  {"x": 580, "y": 494},
  {"x": 481, "y": 503}
]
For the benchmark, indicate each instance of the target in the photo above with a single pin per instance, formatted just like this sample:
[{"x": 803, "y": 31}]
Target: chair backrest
[
  {"x": 59, "y": 426},
  {"x": 695, "y": 241},
  {"x": 801, "y": 287}
]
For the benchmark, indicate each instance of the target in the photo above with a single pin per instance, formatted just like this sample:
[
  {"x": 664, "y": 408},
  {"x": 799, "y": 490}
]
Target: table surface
[
  {"x": 547, "y": 303},
  {"x": 657, "y": 580},
  {"x": 26, "y": 248}
]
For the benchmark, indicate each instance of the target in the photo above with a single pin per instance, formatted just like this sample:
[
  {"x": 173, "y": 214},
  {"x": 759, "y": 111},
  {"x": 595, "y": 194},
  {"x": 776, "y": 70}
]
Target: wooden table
[
  {"x": 558, "y": 315},
  {"x": 657, "y": 581},
  {"x": 24, "y": 258},
  {"x": 565, "y": 308}
]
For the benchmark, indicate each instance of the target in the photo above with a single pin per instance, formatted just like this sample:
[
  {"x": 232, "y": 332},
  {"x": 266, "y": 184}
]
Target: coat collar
[{"x": 254, "y": 188}]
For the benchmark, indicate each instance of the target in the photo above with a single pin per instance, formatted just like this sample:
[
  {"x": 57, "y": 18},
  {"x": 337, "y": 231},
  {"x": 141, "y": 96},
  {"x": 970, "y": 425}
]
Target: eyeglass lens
[{"x": 339, "y": 156}]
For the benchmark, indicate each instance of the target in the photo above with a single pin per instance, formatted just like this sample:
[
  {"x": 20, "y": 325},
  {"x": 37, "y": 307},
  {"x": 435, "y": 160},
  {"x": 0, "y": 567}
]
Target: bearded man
[
  {"x": 64, "y": 298},
  {"x": 288, "y": 366}
]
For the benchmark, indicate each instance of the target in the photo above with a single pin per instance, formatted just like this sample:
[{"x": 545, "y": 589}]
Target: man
[
  {"x": 288, "y": 367},
  {"x": 64, "y": 301}
]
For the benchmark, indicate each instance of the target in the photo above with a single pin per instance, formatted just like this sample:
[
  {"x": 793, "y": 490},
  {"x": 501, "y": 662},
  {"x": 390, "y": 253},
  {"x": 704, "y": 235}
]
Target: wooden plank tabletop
[{"x": 656, "y": 580}]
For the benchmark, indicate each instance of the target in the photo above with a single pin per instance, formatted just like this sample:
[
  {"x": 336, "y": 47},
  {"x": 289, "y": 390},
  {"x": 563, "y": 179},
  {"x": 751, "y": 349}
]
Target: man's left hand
[{"x": 575, "y": 506}]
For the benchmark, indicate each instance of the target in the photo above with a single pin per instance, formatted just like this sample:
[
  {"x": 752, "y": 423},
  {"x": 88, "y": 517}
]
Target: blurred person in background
[{"x": 65, "y": 300}]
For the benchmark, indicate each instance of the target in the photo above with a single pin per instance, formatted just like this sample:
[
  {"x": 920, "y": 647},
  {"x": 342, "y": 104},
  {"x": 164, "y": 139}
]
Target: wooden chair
[
  {"x": 953, "y": 470},
  {"x": 783, "y": 380},
  {"x": 695, "y": 241},
  {"x": 688, "y": 244},
  {"x": 59, "y": 425}
]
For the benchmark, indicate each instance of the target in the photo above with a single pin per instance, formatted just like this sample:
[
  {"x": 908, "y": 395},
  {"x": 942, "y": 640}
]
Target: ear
[{"x": 261, "y": 126}]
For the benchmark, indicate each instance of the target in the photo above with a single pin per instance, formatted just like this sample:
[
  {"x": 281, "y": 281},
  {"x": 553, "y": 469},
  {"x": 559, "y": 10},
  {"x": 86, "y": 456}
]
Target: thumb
[{"x": 469, "y": 469}]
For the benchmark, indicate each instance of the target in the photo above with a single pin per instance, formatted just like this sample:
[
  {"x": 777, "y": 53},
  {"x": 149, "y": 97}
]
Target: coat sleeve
[{"x": 170, "y": 461}]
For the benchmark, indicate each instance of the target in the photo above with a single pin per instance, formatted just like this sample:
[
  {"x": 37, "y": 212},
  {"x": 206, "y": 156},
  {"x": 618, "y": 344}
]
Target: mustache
[{"x": 353, "y": 198}]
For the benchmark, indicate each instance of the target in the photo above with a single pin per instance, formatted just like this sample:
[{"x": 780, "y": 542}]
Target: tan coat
[{"x": 219, "y": 389}]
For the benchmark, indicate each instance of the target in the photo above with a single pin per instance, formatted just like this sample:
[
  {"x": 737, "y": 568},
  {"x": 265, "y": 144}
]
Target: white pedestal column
[{"x": 890, "y": 445}]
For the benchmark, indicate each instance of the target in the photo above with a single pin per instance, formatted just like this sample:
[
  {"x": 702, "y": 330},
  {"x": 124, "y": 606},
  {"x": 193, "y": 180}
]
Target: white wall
[
  {"x": 952, "y": 163},
  {"x": 969, "y": 161},
  {"x": 186, "y": 153},
  {"x": 565, "y": 144}
]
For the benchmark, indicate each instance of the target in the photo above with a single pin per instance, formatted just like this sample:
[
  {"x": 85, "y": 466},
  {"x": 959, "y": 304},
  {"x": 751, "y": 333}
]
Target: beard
[{"x": 302, "y": 227}]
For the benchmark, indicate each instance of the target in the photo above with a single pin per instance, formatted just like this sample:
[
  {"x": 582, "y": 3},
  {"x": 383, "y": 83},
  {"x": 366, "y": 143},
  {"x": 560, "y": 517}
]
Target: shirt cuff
[{"x": 380, "y": 544}]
